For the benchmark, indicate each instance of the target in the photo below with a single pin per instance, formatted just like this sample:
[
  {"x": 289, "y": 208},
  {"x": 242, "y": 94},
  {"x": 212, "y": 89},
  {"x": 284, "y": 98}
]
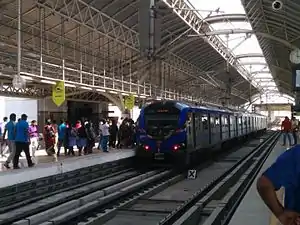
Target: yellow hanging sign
[
  {"x": 58, "y": 93},
  {"x": 129, "y": 102}
]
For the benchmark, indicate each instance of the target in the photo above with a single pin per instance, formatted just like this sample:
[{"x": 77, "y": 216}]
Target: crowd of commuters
[
  {"x": 290, "y": 130},
  {"x": 16, "y": 137}
]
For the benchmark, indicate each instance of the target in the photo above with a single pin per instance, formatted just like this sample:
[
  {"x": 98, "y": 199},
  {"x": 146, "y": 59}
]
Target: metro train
[{"x": 176, "y": 131}]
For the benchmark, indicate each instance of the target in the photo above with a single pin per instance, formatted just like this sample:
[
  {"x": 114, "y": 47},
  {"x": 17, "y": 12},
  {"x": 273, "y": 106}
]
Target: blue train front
[
  {"x": 177, "y": 131},
  {"x": 162, "y": 128}
]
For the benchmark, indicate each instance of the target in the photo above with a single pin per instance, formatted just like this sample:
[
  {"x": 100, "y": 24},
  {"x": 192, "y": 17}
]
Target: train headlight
[
  {"x": 176, "y": 148},
  {"x": 147, "y": 147}
]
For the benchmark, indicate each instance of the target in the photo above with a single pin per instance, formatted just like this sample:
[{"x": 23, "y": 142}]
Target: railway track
[
  {"x": 151, "y": 197},
  {"x": 180, "y": 201}
]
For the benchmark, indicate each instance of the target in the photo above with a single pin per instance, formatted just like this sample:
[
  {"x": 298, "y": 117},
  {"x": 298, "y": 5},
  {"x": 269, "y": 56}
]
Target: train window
[
  {"x": 189, "y": 117},
  {"x": 217, "y": 121},
  {"x": 225, "y": 121},
  {"x": 205, "y": 121},
  {"x": 197, "y": 121},
  {"x": 240, "y": 120},
  {"x": 212, "y": 121}
]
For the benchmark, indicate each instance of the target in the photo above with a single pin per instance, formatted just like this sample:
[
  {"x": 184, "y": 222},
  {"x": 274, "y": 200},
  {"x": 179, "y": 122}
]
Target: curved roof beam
[
  {"x": 246, "y": 31},
  {"x": 253, "y": 63},
  {"x": 276, "y": 94},
  {"x": 242, "y": 18},
  {"x": 227, "y": 17},
  {"x": 250, "y": 55}
]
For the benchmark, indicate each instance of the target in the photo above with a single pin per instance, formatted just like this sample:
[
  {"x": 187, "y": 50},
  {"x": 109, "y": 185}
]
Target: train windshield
[{"x": 161, "y": 120}]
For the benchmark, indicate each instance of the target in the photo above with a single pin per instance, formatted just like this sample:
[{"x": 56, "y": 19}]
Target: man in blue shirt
[
  {"x": 22, "y": 141},
  {"x": 10, "y": 131},
  {"x": 61, "y": 137},
  {"x": 285, "y": 172}
]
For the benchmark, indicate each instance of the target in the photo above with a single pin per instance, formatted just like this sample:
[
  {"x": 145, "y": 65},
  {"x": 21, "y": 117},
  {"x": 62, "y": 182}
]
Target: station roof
[
  {"x": 97, "y": 44},
  {"x": 277, "y": 34}
]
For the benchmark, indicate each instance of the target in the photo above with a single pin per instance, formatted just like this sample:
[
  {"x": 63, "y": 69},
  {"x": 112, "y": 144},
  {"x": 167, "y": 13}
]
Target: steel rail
[
  {"x": 108, "y": 212},
  {"x": 241, "y": 174}
]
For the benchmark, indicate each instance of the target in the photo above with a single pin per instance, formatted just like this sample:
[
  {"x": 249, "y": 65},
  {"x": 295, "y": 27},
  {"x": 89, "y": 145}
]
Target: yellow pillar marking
[{"x": 280, "y": 196}]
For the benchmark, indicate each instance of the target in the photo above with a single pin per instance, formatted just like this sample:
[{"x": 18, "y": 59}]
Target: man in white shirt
[
  {"x": 295, "y": 127},
  {"x": 105, "y": 136}
]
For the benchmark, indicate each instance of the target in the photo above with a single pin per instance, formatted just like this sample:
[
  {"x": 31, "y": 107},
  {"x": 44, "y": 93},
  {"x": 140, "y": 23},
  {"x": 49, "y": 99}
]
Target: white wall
[
  {"x": 135, "y": 112},
  {"x": 18, "y": 106}
]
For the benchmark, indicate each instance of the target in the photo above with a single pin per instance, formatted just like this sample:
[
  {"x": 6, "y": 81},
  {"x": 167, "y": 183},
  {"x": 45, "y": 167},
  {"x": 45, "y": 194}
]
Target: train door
[
  {"x": 237, "y": 126},
  {"x": 209, "y": 128},
  {"x": 194, "y": 125},
  {"x": 189, "y": 130},
  {"x": 204, "y": 134},
  {"x": 245, "y": 125},
  {"x": 225, "y": 127},
  {"x": 221, "y": 126},
  {"x": 198, "y": 129}
]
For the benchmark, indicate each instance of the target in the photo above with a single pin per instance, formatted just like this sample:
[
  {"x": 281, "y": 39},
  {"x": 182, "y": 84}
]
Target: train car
[{"x": 176, "y": 131}]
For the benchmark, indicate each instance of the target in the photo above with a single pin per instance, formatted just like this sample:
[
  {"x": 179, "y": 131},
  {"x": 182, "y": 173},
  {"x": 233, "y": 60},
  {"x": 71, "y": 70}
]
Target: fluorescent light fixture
[
  {"x": 48, "y": 82},
  {"x": 86, "y": 88},
  {"x": 143, "y": 96},
  {"x": 70, "y": 85},
  {"x": 100, "y": 90},
  {"x": 136, "y": 96},
  {"x": 110, "y": 104},
  {"x": 113, "y": 92},
  {"x": 158, "y": 99},
  {"x": 27, "y": 78},
  {"x": 125, "y": 94}
]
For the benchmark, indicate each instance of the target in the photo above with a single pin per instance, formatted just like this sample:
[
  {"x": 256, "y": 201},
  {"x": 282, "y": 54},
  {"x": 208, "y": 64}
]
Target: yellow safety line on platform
[{"x": 280, "y": 196}]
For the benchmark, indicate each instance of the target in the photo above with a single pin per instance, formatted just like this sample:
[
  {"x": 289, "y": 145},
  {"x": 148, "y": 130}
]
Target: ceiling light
[
  {"x": 48, "y": 82},
  {"x": 70, "y": 85},
  {"x": 86, "y": 88},
  {"x": 100, "y": 90}
]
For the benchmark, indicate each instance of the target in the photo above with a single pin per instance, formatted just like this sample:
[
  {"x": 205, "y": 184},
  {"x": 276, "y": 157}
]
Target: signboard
[
  {"x": 273, "y": 107},
  {"x": 192, "y": 174},
  {"x": 58, "y": 93},
  {"x": 129, "y": 102},
  {"x": 296, "y": 77}
]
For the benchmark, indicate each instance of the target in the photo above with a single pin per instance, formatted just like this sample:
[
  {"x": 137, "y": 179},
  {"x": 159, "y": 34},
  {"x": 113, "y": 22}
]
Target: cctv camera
[{"x": 277, "y": 5}]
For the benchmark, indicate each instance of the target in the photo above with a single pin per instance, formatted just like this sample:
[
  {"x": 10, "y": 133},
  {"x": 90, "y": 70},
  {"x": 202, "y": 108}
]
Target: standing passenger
[
  {"x": 91, "y": 136},
  {"x": 113, "y": 131},
  {"x": 72, "y": 137},
  {"x": 34, "y": 136},
  {"x": 82, "y": 138},
  {"x": 22, "y": 142},
  {"x": 295, "y": 127},
  {"x": 286, "y": 127},
  {"x": 105, "y": 136},
  {"x": 61, "y": 142},
  {"x": 10, "y": 129},
  {"x": 55, "y": 129},
  {"x": 49, "y": 138}
]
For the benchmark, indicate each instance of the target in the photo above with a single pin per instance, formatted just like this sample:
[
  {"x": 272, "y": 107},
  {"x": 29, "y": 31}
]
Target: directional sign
[
  {"x": 58, "y": 93},
  {"x": 192, "y": 174},
  {"x": 129, "y": 102}
]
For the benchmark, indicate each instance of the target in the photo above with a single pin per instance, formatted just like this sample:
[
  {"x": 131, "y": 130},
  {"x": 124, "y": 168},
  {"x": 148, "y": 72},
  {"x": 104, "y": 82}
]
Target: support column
[{"x": 19, "y": 38}]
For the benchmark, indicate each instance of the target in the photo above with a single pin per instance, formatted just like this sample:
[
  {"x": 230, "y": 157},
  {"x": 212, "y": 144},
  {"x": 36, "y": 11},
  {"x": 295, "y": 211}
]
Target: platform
[
  {"x": 50, "y": 165},
  {"x": 252, "y": 210}
]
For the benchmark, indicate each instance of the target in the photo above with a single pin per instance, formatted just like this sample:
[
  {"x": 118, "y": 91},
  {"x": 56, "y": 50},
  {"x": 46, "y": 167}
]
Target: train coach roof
[{"x": 205, "y": 107}]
